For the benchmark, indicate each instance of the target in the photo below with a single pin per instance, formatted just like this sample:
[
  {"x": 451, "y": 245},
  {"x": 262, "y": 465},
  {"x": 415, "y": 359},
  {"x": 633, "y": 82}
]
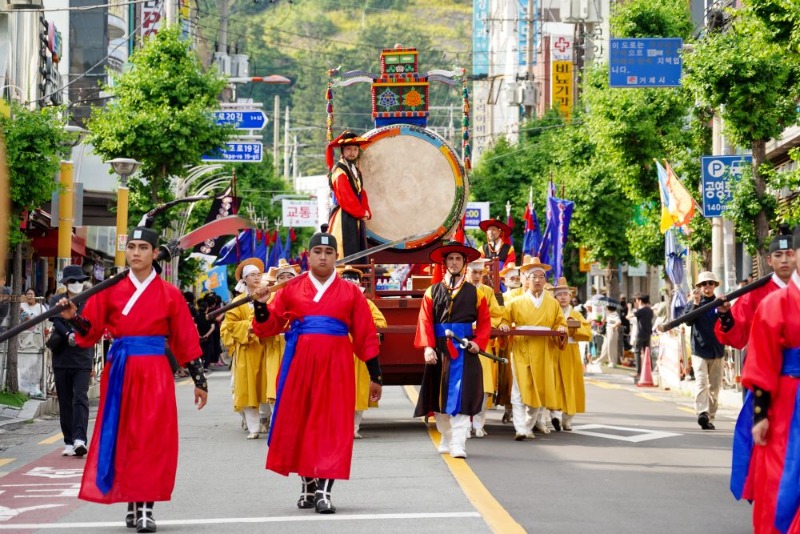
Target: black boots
[
  {"x": 140, "y": 515},
  {"x": 309, "y": 489},
  {"x": 322, "y": 497}
]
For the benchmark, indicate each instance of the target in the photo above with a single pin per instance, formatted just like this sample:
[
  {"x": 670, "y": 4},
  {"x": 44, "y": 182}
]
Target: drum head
[{"x": 415, "y": 183}]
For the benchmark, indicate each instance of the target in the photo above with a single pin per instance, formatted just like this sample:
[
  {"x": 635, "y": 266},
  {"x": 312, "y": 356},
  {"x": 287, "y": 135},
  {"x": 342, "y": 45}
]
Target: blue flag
[
  {"x": 533, "y": 234},
  {"x": 277, "y": 252},
  {"x": 560, "y": 216},
  {"x": 233, "y": 254}
]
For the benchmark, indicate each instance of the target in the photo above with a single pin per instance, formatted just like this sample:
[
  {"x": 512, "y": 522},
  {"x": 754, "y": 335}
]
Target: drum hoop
[{"x": 459, "y": 174}]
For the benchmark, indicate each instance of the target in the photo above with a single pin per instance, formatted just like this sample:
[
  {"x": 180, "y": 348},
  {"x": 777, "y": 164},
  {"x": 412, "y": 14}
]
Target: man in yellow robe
[
  {"x": 247, "y": 351},
  {"x": 514, "y": 288},
  {"x": 475, "y": 273},
  {"x": 569, "y": 370},
  {"x": 351, "y": 274},
  {"x": 533, "y": 357}
]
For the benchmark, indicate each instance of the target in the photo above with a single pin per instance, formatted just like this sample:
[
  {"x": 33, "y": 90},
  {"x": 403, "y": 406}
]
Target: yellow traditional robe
[
  {"x": 512, "y": 294},
  {"x": 362, "y": 374},
  {"x": 534, "y": 357},
  {"x": 249, "y": 357},
  {"x": 488, "y": 366},
  {"x": 569, "y": 374}
]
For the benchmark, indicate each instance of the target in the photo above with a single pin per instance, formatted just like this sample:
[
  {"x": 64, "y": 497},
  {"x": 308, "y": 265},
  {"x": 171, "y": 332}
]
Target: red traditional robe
[
  {"x": 776, "y": 326},
  {"x": 743, "y": 310},
  {"x": 312, "y": 433},
  {"x": 147, "y": 440},
  {"x": 352, "y": 205}
]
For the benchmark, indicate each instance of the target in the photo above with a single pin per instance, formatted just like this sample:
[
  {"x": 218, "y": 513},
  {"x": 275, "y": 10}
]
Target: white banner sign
[
  {"x": 476, "y": 212},
  {"x": 299, "y": 213}
]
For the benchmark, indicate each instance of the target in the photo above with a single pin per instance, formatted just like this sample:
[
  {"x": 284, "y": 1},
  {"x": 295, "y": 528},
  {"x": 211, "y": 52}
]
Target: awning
[{"x": 46, "y": 246}]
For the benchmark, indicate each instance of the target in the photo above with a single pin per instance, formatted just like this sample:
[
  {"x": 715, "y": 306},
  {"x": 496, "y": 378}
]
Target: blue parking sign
[{"x": 718, "y": 175}]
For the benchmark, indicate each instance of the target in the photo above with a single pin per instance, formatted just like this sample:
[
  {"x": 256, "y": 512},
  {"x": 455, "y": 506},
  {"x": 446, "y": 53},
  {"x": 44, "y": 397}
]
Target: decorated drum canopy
[{"x": 416, "y": 185}]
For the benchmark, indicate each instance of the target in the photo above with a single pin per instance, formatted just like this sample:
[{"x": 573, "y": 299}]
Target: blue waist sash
[
  {"x": 118, "y": 356},
  {"x": 789, "y": 488},
  {"x": 312, "y": 324},
  {"x": 456, "y": 374}
]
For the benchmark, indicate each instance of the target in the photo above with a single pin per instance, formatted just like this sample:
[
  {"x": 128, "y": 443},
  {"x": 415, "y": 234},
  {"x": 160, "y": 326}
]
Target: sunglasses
[{"x": 702, "y": 284}]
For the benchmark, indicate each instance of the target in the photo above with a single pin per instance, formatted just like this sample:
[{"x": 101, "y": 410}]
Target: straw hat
[
  {"x": 271, "y": 275},
  {"x": 479, "y": 265},
  {"x": 249, "y": 261},
  {"x": 504, "y": 228},
  {"x": 438, "y": 255},
  {"x": 507, "y": 268},
  {"x": 535, "y": 264},
  {"x": 562, "y": 285},
  {"x": 706, "y": 276},
  {"x": 286, "y": 267},
  {"x": 526, "y": 259},
  {"x": 348, "y": 269}
]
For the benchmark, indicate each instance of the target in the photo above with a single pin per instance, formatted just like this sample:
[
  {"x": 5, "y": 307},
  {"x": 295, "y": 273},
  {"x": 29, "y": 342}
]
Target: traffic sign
[
  {"x": 646, "y": 62},
  {"x": 718, "y": 172},
  {"x": 242, "y": 119},
  {"x": 237, "y": 151}
]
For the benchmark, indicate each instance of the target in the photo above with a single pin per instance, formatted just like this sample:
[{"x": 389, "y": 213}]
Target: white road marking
[
  {"x": 232, "y": 520},
  {"x": 641, "y": 434}
]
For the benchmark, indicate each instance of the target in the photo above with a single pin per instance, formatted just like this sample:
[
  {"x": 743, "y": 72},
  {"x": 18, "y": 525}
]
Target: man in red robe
[
  {"x": 452, "y": 383},
  {"x": 350, "y": 209},
  {"x": 134, "y": 452},
  {"x": 735, "y": 321},
  {"x": 312, "y": 422},
  {"x": 766, "y": 448}
]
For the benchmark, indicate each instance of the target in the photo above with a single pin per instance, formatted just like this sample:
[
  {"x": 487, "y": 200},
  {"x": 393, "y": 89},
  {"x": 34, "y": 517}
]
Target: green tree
[
  {"x": 752, "y": 82},
  {"x": 35, "y": 143},
  {"x": 161, "y": 115}
]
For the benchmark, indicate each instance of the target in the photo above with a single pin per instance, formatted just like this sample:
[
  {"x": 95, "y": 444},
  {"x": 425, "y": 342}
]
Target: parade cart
[{"x": 418, "y": 186}]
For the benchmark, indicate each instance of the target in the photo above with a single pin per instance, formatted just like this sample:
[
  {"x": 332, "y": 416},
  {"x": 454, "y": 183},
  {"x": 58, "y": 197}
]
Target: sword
[
  {"x": 463, "y": 343},
  {"x": 224, "y": 226},
  {"x": 344, "y": 261}
]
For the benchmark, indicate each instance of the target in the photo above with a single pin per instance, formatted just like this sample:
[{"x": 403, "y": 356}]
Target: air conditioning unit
[
  {"x": 580, "y": 11},
  {"x": 240, "y": 65},
  {"x": 528, "y": 95},
  {"x": 512, "y": 94}
]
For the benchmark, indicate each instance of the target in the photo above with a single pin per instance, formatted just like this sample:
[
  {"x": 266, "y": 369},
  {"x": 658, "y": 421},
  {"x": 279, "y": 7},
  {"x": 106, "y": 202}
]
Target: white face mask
[{"x": 75, "y": 287}]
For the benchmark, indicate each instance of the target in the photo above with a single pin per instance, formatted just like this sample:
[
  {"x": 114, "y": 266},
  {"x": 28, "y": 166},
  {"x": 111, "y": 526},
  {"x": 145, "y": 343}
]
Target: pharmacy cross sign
[{"x": 561, "y": 45}]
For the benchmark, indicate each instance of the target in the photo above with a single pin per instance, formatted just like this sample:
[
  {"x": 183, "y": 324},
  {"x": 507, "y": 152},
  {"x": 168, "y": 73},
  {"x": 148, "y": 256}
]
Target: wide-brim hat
[
  {"x": 346, "y": 138},
  {"x": 271, "y": 275},
  {"x": 349, "y": 269},
  {"x": 507, "y": 268},
  {"x": 562, "y": 285},
  {"x": 249, "y": 261},
  {"x": 438, "y": 255},
  {"x": 73, "y": 273},
  {"x": 284, "y": 267},
  {"x": 504, "y": 228},
  {"x": 706, "y": 276},
  {"x": 535, "y": 263},
  {"x": 479, "y": 264}
]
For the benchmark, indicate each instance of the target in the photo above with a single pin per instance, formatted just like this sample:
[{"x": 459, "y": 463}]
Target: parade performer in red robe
[
  {"x": 133, "y": 455},
  {"x": 452, "y": 383},
  {"x": 735, "y": 322},
  {"x": 350, "y": 207},
  {"x": 312, "y": 422},
  {"x": 766, "y": 448}
]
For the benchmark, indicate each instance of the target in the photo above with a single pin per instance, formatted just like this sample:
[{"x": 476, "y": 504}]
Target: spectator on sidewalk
[
  {"x": 707, "y": 351},
  {"x": 644, "y": 329}
]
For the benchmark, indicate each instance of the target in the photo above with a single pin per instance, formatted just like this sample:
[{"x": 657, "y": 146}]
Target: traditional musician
[
  {"x": 248, "y": 352},
  {"x": 351, "y": 274},
  {"x": 312, "y": 425},
  {"x": 513, "y": 282},
  {"x": 765, "y": 447},
  {"x": 735, "y": 321},
  {"x": 475, "y": 273},
  {"x": 495, "y": 246},
  {"x": 452, "y": 383},
  {"x": 533, "y": 358},
  {"x": 134, "y": 452},
  {"x": 569, "y": 368},
  {"x": 350, "y": 205}
]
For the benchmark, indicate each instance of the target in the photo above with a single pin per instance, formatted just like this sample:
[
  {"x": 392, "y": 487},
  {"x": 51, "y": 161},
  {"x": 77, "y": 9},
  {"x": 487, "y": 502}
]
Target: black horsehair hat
[
  {"x": 140, "y": 233},
  {"x": 322, "y": 238}
]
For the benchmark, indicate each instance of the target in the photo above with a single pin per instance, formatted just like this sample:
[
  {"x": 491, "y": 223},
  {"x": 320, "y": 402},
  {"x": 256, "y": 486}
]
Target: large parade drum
[{"x": 416, "y": 185}]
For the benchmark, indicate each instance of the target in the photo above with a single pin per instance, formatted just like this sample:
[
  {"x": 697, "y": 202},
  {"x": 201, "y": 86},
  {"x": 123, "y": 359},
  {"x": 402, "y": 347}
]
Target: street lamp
[
  {"x": 66, "y": 201},
  {"x": 124, "y": 167}
]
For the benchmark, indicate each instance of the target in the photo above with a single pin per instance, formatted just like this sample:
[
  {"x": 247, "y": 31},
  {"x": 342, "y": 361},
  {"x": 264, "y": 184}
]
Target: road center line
[
  {"x": 52, "y": 439},
  {"x": 497, "y": 517}
]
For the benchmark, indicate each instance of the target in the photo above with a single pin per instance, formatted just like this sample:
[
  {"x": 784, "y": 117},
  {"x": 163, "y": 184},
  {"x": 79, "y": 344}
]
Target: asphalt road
[{"x": 636, "y": 462}]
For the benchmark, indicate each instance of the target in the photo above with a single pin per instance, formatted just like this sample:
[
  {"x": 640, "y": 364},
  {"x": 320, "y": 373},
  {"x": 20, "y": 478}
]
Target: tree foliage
[
  {"x": 35, "y": 143},
  {"x": 161, "y": 114}
]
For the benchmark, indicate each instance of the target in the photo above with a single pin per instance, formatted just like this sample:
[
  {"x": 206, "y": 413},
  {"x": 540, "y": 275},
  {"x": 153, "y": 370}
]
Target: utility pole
[
  {"x": 723, "y": 235},
  {"x": 276, "y": 115},
  {"x": 171, "y": 11},
  {"x": 286, "y": 145},
  {"x": 529, "y": 109},
  {"x": 223, "y": 26}
]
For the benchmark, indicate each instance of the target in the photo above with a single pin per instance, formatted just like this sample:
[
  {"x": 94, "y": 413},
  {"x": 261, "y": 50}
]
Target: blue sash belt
[
  {"x": 789, "y": 488},
  {"x": 118, "y": 356},
  {"x": 312, "y": 324},
  {"x": 456, "y": 375}
]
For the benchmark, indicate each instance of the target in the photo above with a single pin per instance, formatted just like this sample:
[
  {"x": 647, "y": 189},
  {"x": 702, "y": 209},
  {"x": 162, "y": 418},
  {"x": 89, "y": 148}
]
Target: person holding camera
[{"x": 72, "y": 367}]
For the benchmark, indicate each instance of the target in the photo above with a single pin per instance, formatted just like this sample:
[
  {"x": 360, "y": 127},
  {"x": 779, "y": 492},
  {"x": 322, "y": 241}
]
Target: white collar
[
  {"x": 140, "y": 287},
  {"x": 537, "y": 301},
  {"x": 321, "y": 287},
  {"x": 796, "y": 279},
  {"x": 780, "y": 283},
  {"x": 567, "y": 310}
]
